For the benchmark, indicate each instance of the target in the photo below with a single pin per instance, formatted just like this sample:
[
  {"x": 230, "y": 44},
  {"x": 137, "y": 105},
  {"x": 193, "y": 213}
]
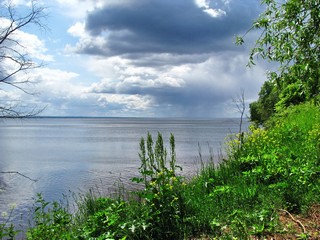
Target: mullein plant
[{"x": 162, "y": 193}]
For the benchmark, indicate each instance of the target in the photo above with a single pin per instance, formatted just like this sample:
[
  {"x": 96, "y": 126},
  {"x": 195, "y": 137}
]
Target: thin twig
[
  {"x": 295, "y": 220},
  {"x": 14, "y": 172}
]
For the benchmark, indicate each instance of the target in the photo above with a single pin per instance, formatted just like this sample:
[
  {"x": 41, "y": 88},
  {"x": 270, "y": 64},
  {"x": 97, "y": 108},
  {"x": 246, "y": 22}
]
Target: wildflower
[
  {"x": 144, "y": 226},
  {"x": 4, "y": 214},
  {"x": 173, "y": 179},
  {"x": 152, "y": 183},
  {"x": 12, "y": 206},
  {"x": 132, "y": 228},
  {"x": 168, "y": 186},
  {"x": 123, "y": 226},
  {"x": 175, "y": 199}
]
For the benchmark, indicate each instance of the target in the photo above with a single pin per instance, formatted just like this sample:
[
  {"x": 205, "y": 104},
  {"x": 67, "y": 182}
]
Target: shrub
[
  {"x": 51, "y": 221},
  {"x": 285, "y": 155}
]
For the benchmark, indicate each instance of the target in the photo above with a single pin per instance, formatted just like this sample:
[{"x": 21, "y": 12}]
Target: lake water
[{"x": 76, "y": 154}]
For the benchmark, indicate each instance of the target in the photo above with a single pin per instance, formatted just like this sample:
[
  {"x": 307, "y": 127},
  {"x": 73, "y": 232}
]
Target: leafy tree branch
[{"x": 290, "y": 36}]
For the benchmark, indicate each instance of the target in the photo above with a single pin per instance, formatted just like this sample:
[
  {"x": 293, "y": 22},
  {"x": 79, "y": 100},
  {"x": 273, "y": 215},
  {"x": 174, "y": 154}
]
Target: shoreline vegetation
[{"x": 268, "y": 187}]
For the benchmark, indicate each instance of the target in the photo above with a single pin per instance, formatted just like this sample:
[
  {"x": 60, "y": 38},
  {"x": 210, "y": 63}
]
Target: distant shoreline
[{"x": 150, "y": 118}]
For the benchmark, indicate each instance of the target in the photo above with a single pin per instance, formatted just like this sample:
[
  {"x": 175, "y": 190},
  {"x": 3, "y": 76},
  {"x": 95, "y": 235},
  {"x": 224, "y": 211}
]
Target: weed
[
  {"x": 162, "y": 193},
  {"x": 7, "y": 229},
  {"x": 50, "y": 220}
]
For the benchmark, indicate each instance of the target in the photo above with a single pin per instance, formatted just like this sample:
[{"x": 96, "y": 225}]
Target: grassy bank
[{"x": 268, "y": 182}]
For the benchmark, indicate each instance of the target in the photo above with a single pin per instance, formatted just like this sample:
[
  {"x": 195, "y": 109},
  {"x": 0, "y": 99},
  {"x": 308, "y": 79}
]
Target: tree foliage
[
  {"x": 290, "y": 36},
  {"x": 15, "y": 60},
  {"x": 262, "y": 109}
]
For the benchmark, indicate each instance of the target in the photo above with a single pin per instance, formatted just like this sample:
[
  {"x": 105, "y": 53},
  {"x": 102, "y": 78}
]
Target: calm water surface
[{"x": 76, "y": 154}]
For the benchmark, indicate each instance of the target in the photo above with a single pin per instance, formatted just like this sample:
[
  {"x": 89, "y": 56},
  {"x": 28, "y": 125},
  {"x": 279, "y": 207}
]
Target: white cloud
[
  {"x": 34, "y": 46},
  {"x": 77, "y": 9},
  {"x": 202, "y": 3},
  {"x": 28, "y": 44},
  {"x": 121, "y": 75},
  {"x": 57, "y": 81},
  {"x": 63, "y": 95},
  {"x": 78, "y": 30},
  {"x": 51, "y": 88},
  {"x": 213, "y": 12},
  {"x": 125, "y": 102}
]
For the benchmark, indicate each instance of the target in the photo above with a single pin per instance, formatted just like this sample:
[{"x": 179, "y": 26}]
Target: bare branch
[
  {"x": 14, "y": 56},
  {"x": 14, "y": 172},
  {"x": 35, "y": 16},
  {"x": 13, "y": 111},
  {"x": 295, "y": 220},
  {"x": 240, "y": 105}
]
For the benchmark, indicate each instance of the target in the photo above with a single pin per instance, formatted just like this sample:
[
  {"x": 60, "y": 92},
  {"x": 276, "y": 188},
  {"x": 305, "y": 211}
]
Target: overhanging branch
[{"x": 18, "y": 173}]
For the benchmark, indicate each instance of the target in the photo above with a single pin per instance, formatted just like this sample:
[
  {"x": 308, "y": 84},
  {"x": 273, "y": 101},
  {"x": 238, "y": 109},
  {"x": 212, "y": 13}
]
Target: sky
[{"x": 140, "y": 58}]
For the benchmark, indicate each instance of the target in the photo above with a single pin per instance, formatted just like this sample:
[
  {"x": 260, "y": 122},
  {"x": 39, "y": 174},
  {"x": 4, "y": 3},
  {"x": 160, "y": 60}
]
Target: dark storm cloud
[
  {"x": 200, "y": 90},
  {"x": 192, "y": 100},
  {"x": 173, "y": 54},
  {"x": 166, "y": 26},
  {"x": 165, "y": 59}
]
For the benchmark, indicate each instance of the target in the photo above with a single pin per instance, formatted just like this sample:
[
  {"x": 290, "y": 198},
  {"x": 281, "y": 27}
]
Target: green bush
[
  {"x": 273, "y": 168},
  {"x": 155, "y": 212},
  {"x": 51, "y": 221},
  {"x": 285, "y": 155}
]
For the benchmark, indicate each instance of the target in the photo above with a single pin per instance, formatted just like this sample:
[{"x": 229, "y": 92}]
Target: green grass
[{"x": 274, "y": 168}]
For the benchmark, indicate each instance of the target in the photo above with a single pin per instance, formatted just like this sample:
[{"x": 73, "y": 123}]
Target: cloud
[
  {"x": 148, "y": 58},
  {"x": 213, "y": 12},
  {"x": 50, "y": 88},
  {"x": 20, "y": 2},
  {"x": 20, "y": 46},
  {"x": 176, "y": 27},
  {"x": 25, "y": 43},
  {"x": 77, "y": 9},
  {"x": 62, "y": 94},
  {"x": 184, "y": 90},
  {"x": 124, "y": 103},
  {"x": 35, "y": 47},
  {"x": 178, "y": 57}
]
